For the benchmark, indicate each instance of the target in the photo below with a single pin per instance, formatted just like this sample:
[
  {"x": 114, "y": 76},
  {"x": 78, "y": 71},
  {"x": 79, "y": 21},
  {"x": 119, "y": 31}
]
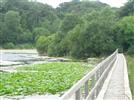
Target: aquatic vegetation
[{"x": 41, "y": 78}]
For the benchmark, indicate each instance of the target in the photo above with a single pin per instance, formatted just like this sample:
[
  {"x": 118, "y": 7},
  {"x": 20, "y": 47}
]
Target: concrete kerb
[{"x": 128, "y": 95}]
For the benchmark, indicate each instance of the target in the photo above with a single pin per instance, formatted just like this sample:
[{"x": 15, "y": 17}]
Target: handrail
[
  {"x": 104, "y": 74},
  {"x": 96, "y": 73}
]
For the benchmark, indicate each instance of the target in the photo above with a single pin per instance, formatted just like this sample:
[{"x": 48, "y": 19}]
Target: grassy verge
[
  {"x": 130, "y": 61},
  {"x": 42, "y": 78}
]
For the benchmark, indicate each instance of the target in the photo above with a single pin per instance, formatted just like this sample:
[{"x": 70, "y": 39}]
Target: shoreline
[{"x": 18, "y": 51}]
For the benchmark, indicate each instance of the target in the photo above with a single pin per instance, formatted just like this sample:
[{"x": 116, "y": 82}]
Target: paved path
[{"x": 115, "y": 89}]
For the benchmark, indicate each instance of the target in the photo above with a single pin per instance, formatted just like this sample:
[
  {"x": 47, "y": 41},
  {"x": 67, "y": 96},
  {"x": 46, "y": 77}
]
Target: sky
[{"x": 112, "y": 3}]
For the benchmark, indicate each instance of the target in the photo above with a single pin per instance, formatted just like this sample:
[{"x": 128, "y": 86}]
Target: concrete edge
[
  {"x": 106, "y": 83},
  {"x": 128, "y": 95}
]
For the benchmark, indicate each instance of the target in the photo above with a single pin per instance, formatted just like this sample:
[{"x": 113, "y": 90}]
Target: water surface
[{"x": 18, "y": 56}]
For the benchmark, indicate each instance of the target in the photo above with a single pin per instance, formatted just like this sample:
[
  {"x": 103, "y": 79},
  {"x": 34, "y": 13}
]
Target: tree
[
  {"x": 54, "y": 48},
  {"x": 1, "y": 28},
  {"x": 80, "y": 29},
  {"x": 22, "y": 21},
  {"x": 39, "y": 31},
  {"x": 94, "y": 36},
  {"x": 79, "y": 8},
  {"x": 69, "y": 22},
  {"x": 42, "y": 44},
  {"x": 12, "y": 27},
  {"x": 128, "y": 9},
  {"x": 59, "y": 46},
  {"x": 124, "y": 30},
  {"x": 25, "y": 37},
  {"x": 131, "y": 50}
]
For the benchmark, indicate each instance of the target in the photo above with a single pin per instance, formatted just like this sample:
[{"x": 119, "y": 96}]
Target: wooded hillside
[{"x": 78, "y": 29}]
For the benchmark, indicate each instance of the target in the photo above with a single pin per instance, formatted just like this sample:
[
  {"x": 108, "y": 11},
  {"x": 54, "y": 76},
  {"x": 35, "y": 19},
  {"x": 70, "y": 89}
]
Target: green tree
[
  {"x": 69, "y": 22},
  {"x": 43, "y": 43},
  {"x": 128, "y": 9},
  {"x": 59, "y": 46},
  {"x": 1, "y": 28},
  {"x": 79, "y": 8},
  {"x": 131, "y": 50},
  {"x": 125, "y": 32},
  {"x": 25, "y": 37},
  {"x": 13, "y": 28},
  {"x": 95, "y": 36},
  {"x": 54, "y": 48},
  {"x": 39, "y": 31},
  {"x": 9, "y": 45}
]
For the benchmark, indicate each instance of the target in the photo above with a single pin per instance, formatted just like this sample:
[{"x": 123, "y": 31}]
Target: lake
[
  {"x": 21, "y": 57},
  {"x": 17, "y": 57}
]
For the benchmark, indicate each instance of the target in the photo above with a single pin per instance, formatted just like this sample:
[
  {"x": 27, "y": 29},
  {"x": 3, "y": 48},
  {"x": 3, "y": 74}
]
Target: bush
[
  {"x": 131, "y": 50},
  {"x": 24, "y": 46},
  {"x": 9, "y": 45},
  {"x": 42, "y": 44}
]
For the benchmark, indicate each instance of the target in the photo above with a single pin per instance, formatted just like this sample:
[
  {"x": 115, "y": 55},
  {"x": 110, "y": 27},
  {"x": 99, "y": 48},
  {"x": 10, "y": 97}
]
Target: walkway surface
[{"x": 115, "y": 90}]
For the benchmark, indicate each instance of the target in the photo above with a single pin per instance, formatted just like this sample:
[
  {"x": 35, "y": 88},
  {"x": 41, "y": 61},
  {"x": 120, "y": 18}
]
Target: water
[
  {"x": 8, "y": 59},
  {"x": 21, "y": 57},
  {"x": 18, "y": 56}
]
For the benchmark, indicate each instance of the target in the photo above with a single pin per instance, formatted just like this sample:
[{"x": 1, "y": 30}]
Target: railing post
[
  {"x": 97, "y": 77},
  {"x": 78, "y": 95},
  {"x": 93, "y": 81},
  {"x": 86, "y": 89}
]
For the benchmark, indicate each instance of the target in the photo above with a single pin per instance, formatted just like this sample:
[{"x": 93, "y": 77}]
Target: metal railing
[{"x": 92, "y": 82}]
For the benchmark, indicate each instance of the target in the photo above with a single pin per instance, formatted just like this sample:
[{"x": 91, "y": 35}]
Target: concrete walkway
[
  {"x": 116, "y": 86},
  {"x": 115, "y": 90}
]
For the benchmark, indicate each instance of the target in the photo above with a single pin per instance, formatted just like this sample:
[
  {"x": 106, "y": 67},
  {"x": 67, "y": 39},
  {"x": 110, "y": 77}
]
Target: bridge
[{"x": 107, "y": 81}]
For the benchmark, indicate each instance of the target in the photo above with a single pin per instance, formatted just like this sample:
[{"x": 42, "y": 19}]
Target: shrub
[
  {"x": 131, "y": 50},
  {"x": 24, "y": 46},
  {"x": 42, "y": 44},
  {"x": 9, "y": 45}
]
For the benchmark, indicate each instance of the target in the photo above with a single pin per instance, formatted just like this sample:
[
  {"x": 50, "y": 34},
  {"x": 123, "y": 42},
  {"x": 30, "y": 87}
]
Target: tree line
[{"x": 78, "y": 29}]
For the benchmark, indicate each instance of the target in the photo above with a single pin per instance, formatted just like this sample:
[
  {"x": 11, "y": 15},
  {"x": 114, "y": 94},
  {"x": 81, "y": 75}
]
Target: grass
[
  {"x": 42, "y": 78},
  {"x": 130, "y": 60}
]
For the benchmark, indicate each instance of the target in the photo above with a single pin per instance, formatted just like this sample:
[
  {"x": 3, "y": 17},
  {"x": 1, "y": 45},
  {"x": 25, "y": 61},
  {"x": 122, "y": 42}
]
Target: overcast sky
[{"x": 113, "y": 3}]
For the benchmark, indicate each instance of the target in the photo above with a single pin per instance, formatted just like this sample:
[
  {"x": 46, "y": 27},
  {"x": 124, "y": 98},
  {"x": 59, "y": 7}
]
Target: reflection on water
[
  {"x": 17, "y": 56},
  {"x": 10, "y": 59}
]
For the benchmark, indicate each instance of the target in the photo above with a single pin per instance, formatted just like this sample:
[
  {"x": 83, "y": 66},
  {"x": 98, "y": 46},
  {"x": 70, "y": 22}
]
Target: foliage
[
  {"x": 54, "y": 48},
  {"x": 130, "y": 60},
  {"x": 39, "y": 31},
  {"x": 43, "y": 43},
  {"x": 81, "y": 40},
  {"x": 24, "y": 46},
  {"x": 22, "y": 21},
  {"x": 125, "y": 32},
  {"x": 79, "y": 8},
  {"x": 48, "y": 78},
  {"x": 128, "y": 9},
  {"x": 98, "y": 31},
  {"x": 9, "y": 45},
  {"x": 131, "y": 50},
  {"x": 12, "y": 27},
  {"x": 69, "y": 22},
  {"x": 79, "y": 29}
]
